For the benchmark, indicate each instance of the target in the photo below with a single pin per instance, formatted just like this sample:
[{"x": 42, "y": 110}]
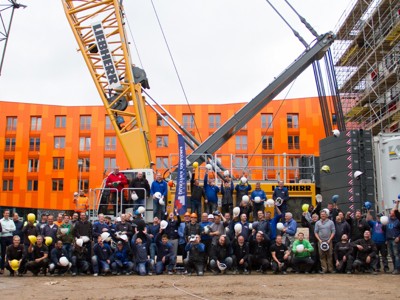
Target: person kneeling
[
  {"x": 40, "y": 254},
  {"x": 196, "y": 255}
]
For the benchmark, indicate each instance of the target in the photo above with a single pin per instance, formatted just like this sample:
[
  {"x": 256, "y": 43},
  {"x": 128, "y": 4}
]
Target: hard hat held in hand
[
  {"x": 64, "y": 261},
  {"x": 48, "y": 240},
  {"x": 257, "y": 199},
  {"x": 208, "y": 167},
  {"x": 305, "y": 207},
  {"x": 238, "y": 228},
  {"x": 134, "y": 196},
  {"x": 31, "y": 218},
  {"x": 243, "y": 179},
  {"x": 270, "y": 203},
  {"x": 79, "y": 242},
  {"x": 280, "y": 226},
  {"x": 161, "y": 201},
  {"x": 163, "y": 224},
  {"x": 14, "y": 264},
  {"x": 195, "y": 165},
  {"x": 236, "y": 211},
  {"x": 300, "y": 248},
  {"x": 32, "y": 239},
  {"x": 279, "y": 201},
  {"x": 141, "y": 209},
  {"x": 157, "y": 195},
  {"x": 245, "y": 199},
  {"x": 384, "y": 220},
  {"x": 222, "y": 266}
]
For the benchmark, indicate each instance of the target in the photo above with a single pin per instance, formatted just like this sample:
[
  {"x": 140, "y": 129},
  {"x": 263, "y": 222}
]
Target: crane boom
[
  {"x": 247, "y": 112},
  {"x": 98, "y": 27}
]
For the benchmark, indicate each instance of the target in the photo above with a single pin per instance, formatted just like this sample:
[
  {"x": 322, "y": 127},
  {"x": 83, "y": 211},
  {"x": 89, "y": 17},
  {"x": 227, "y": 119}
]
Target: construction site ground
[{"x": 254, "y": 286}]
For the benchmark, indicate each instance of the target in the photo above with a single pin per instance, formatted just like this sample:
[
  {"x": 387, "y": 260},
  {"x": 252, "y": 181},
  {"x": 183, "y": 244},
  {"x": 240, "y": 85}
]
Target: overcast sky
[{"x": 225, "y": 50}]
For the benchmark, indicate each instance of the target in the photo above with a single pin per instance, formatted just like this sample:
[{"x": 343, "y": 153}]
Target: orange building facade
[{"x": 48, "y": 151}]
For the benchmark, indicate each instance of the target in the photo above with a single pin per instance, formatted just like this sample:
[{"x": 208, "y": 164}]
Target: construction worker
[{"x": 81, "y": 203}]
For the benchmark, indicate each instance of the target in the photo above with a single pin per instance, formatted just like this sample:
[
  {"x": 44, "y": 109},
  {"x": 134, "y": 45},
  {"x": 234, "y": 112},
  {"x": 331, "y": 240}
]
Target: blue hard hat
[
  {"x": 367, "y": 205},
  {"x": 335, "y": 198},
  {"x": 137, "y": 212}
]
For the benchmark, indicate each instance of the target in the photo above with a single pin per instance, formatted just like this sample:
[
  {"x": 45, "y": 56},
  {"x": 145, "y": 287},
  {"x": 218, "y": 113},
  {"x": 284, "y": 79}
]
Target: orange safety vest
[{"x": 81, "y": 204}]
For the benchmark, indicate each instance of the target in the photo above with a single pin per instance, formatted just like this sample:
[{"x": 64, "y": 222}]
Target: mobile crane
[{"x": 98, "y": 26}]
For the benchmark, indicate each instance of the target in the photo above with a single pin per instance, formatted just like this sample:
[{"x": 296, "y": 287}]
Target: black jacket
[{"x": 197, "y": 192}]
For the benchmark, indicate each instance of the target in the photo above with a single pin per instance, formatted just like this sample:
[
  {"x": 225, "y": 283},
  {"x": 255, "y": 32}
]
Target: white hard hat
[
  {"x": 118, "y": 219},
  {"x": 157, "y": 195},
  {"x": 226, "y": 173},
  {"x": 123, "y": 237},
  {"x": 161, "y": 201},
  {"x": 326, "y": 211},
  {"x": 245, "y": 199},
  {"x": 336, "y": 133},
  {"x": 280, "y": 226},
  {"x": 251, "y": 226},
  {"x": 300, "y": 248},
  {"x": 238, "y": 228},
  {"x": 206, "y": 229},
  {"x": 236, "y": 211},
  {"x": 134, "y": 196},
  {"x": 357, "y": 174},
  {"x": 141, "y": 210},
  {"x": 324, "y": 246},
  {"x": 222, "y": 266},
  {"x": 79, "y": 242},
  {"x": 163, "y": 224},
  {"x": 279, "y": 201},
  {"x": 105, "y": 236},
  {"x": 318, "y": 198},
  {"x": 243, "y": 179},
  {"x": 257, "y": 199},
  {"x": 64, "y": 261},
  {"x": 208, "y": 166},
  {"x": 270, "y": 202},
  {"x": 384, "y": 220},
  {"x": 85, "y": 239}
]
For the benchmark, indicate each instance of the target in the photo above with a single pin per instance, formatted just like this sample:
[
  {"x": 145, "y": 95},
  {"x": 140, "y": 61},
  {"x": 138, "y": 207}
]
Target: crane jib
[{"x": 106, "y": 58}]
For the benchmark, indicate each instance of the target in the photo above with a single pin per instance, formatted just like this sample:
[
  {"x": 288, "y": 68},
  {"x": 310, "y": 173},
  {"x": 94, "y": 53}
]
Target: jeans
[
  {"x": 79, "y": 265},
  {"x": 169, "y": 262},
  {"x": 5, "y": 242},
  {"x": 195, "y": 207},
  {"x": 210, "y": 207},
  {"x": 68, "y": 250},
  {"x": 302, "y": 264},
  {"x": 153, "y": 250},
  {"x": 382, "y": 249},
  {"x": 158, "y": 210},
  {"x": 228, "y": 261},
  {"x": 100, "y": 265},
  {"x": 394, "y": 253},
  {"x": 119, "y": 266},
  {"x": 142, "y": 268},
  {"x": 190, "y": 265}
]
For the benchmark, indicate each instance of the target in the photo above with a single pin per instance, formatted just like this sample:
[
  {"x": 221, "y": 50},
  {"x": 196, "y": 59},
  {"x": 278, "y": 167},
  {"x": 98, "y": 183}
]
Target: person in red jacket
[{"x": 116, "y": 181}]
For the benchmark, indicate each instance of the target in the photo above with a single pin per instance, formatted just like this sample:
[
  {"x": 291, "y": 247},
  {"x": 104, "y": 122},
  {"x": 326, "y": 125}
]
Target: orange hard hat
[
  {"x": 171, "y": 183},
  {"x": 193, "y": 215},
  {"x": 187, "y": 214}
]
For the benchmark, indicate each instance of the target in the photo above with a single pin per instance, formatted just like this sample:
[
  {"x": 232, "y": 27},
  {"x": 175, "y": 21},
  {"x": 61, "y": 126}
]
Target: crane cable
[
  {"x": 176, "y": 70},
  {"x": 134, "y": 43},
  {"x": 269, "y": 124}
]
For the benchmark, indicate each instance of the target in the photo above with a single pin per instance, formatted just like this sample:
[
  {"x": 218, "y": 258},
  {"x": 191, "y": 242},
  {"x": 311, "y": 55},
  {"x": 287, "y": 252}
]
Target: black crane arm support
[{"x": 244, "y": 115}]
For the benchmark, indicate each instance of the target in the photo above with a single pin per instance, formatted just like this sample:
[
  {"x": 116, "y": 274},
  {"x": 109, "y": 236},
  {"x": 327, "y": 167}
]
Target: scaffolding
[{"x": 366, "y": 58}]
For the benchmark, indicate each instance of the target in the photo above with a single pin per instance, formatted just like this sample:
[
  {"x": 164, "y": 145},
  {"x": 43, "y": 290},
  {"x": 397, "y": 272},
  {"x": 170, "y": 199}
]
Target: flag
[{"x": 180, "y": 192}]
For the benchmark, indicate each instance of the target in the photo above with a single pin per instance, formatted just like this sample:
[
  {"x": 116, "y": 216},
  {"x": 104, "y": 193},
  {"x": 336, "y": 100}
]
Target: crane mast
[{"x": 98, "y": 27}]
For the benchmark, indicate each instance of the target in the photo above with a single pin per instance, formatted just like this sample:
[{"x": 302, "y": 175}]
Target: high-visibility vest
[{"x": 81, "y": 204}]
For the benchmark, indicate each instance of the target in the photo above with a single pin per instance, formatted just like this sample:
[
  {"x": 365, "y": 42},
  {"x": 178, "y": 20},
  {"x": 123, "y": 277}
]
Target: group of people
[{"x": 219, "y": 243}]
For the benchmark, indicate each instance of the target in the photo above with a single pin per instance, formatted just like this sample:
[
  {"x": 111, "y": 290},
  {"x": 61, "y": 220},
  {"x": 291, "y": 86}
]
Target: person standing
[
  {"x": 281, "y": 192},
  {"x": 211, "y": 191},
  {"x": 242, "y": 189},
  {"x": 227, "y": 189},
  {"x": 258, "y": 198},
  {"x": 6, "y": 235},
  {"x": 159, "y": 186},
  {"x": 325, "y": 232},
  {"x": 141, "y": 188},
  {"x": 197, "y": 193},
  {"x": 116, "y": 181},
  {"x": 81, "y": 202},
  {"x": 18, "y": 226},
  {"x": 393, "y": 241}
]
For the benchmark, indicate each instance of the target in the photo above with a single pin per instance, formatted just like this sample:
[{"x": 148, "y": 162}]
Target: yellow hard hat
[
  {"x": 31, "y": 217},
  {"x": 32, "y": 239},
  {"x": 195, "y": 165},
  {"x": 14, "y": 264},
  {"x": 48, "y": 240},
  {"x": 305, "y": 207}
]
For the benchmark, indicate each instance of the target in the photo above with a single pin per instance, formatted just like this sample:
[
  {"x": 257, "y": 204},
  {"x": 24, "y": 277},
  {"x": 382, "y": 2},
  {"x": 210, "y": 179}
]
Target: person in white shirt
[{"x": 6, "y": 235}]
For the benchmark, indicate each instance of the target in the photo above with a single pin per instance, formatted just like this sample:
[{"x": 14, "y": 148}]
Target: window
[
  {"x": 11, "y": 124},
  {"x": 241, "y": 142},
  {"x": 85, "y": 164},
  {"x": 32, "y": 185},
  {"x": 84, "y": 143},
  {"x": 33, "y": 165},
  {"x": 161, "y": 162},
  {"x": 61, "y": 121},
  {"x": 109, "y": 126},
  {"x": 9, "y": 165},
  {"x": 293, "y": 121},
  {"x": 85, "y": 122},
  {"x": 240, "y": 162},
  {"x": 10, "y": 144},
  {"x": 34, "y": 144},
  {"x": 268, "y": 162},
  {"x": 58, "y": 163},
  {"x": 214, "y": 121},
  {"x": 57, "y": 185},
  {"x": 36, "y": 123},
  {"x": 84, "y": 185},
  {"x": 294, "y": 161},
  {"x": 162, "y": 141},
  {"x": 109, "y": 163},
  {"x": 59, "y": 142},
  {"x": 268, "y": 142},
  {"x": 8, "y": 185},
  {"x": 110, "y": 143},
  {"x": 293, "y": 142},
  {"x": 161, "y": 121},
  {"x": 188, "y": 121},
  {"x": 266, "y": 120}
]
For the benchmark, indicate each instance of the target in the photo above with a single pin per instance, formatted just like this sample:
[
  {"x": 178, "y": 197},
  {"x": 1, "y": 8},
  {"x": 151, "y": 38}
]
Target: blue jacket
[
  {"x": 272, "y": 225},
  {"x": 98, "y": 229},
  {"x": 205, "y": 237},
  {"x": 378, "y": 232},
  {"x": 161, "y": 187},
  {"x": 291, "y": 227},
  {"x": 393, "y": 229},
  {"x": 163, "y": 250},
  {"x": 211, "y": 191},
  {"x": 102, "y": 253},
  {"x": 258, "y": 193},
  {"x": 282, "y": 193},
  {"x": 122, "y": 255},
  {"x": 181, "y": 233}
]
